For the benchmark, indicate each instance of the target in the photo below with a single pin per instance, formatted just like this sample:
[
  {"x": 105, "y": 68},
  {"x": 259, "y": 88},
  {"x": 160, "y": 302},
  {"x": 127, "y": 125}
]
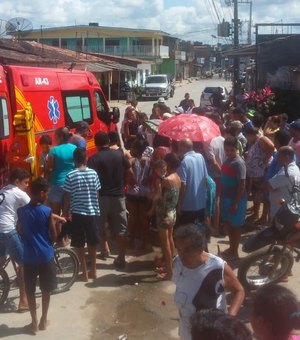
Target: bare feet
[
  {"x": 83, "y": 277},
  {"x": 92, "y": 275},
  {"x": 43, "y": 325},
  {"x": 30, "y": 328}
]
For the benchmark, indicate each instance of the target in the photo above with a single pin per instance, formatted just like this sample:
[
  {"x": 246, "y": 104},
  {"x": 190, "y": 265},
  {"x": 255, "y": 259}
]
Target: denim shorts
[
  {"x": 56, "y": 194},
  {"x": 11, "y": 244}
]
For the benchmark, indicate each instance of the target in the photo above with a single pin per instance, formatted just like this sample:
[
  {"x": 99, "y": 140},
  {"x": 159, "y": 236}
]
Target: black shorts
[
  {"x": 187, "y": 217},
  {"x": 85, "y": 229},
  {"x": 46, "y": 273}
]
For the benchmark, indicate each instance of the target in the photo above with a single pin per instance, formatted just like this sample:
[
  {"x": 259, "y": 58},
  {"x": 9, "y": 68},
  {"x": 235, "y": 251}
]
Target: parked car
[
  {"x": 208, "y": 91},
  {"x": 159, "y": 85}
]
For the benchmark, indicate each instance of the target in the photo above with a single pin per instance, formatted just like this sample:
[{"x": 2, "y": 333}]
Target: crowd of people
[{"x": 182, "y": 189}]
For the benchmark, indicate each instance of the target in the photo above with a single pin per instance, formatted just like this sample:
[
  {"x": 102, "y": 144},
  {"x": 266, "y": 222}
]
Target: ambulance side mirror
[{"x": 115, "y": 114}]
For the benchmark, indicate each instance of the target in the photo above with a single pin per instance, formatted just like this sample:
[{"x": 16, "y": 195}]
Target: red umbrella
[{"x": 196, "y": 128}]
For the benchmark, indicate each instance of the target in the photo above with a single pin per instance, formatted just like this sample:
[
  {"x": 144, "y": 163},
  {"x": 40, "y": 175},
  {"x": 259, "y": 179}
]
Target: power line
[{"x": 216, "y": 11}]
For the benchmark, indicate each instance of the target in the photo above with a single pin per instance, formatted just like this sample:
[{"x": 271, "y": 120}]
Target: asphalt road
[{"x": 131, "y": 303}]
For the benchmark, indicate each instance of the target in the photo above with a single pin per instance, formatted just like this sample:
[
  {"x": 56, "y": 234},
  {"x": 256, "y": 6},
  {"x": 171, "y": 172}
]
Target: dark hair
[
  {"x": 192, "y": 233},
  {"x": 231, "y": 130},
  {"x": 258, "y": 120},
  {"x": 81, "y": 126},
  {"x": 238, "y": 111},
  {"x": 101, "y": 139},
  {"x": 114, "y": 138},
  {"x": 38, "y": 185},
  {"x": 231, "y": 142},
  {"x": 251, "y": 131},
  {"x": 142, "y": 115},
  {"x": 79, "y": 156},
  {"x": 159, "y": 140},
  {"x": 172, "y": 161},
  {"x": 139, "y": 145},
  {"x": 279, "y": 308},
  {"x": 18, "y": 174},
  {"x": 45, "y": 139},
  {"x": 214, "y": 324},
  {"x": 282, "y": 137},
  {"x": 63, "y": 133}
]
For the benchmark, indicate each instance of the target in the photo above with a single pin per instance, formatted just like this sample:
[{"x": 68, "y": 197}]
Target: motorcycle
[{"x": 271, "y": 256}]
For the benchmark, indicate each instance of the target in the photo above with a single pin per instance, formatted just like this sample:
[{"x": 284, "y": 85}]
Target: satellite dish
[{"x": 18, "y": 27}]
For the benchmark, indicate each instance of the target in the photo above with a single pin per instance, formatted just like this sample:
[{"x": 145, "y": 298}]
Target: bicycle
[{"x": 67, "y": 269}]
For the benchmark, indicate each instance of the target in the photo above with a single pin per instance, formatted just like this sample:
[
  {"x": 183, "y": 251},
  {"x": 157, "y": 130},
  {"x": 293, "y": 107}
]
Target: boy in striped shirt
[{"x": 81, "y": 204}]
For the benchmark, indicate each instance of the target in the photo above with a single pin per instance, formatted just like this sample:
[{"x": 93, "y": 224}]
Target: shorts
[
  {"x": 187, "y": 217},
  {"x": 238, "y": 218},
  {"x": 85, "y": 230},
  {"x": 113, "y": 212},
  {"x": 46, "y": 273},
  {"x": 11, "y": 244},
  {"x": 258, "y": 191},
  {"x": 56, "y": 194}
]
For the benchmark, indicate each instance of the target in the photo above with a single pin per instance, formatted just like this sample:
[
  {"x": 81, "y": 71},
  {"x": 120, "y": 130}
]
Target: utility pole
[{"x": 236, "y": 60}]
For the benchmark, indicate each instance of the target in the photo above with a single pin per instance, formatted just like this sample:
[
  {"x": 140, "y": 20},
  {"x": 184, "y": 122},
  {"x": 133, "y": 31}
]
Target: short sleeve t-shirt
[
  {"x": 63, "y": 162},
  {"x": 193, "y": 173},
  {"x": 110, "y": 166},
  {"x": 34, "y": 220},
  {"x": 233, "y": 170},
  {"x": 282, "y": 186},
  {"x": 83, "y": 186},
  {"x": 11, "y": 199}
]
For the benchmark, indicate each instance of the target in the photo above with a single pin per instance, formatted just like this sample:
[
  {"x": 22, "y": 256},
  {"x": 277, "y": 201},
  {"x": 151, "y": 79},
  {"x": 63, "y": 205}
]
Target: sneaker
[{"x": 119, "y": 264}]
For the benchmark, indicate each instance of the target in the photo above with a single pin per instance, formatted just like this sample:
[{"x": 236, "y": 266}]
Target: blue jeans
[{"x": 12, "y": 245}]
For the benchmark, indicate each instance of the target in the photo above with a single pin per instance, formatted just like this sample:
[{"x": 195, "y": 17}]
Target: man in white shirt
[
  {"x": 281, "y": 185},
  {"x": 12, "y": 197}
]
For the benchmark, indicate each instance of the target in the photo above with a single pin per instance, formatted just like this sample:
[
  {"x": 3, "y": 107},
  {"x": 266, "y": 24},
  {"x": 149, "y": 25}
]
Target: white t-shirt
[
  {"x": 206, "y": 281},
  {"x": 282, "y": 186},
  {"x": 11, "y": 199},
  {"x": 214, "y": 151}
]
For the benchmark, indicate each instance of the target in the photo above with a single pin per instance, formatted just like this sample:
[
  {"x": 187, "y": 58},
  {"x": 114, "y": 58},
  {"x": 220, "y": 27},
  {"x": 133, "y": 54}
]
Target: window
[
  {"x": 77, "y": 107},
  {"x": 101, "y": 106},
  {"x": 4, "y": 119}
]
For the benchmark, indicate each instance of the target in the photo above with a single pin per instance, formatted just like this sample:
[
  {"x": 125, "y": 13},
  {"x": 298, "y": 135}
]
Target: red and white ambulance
[{"x": 36, "y": 101}]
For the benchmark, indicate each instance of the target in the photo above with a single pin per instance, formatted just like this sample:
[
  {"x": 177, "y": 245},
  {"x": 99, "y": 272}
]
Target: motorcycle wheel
[{"x": 263, "y": 267}]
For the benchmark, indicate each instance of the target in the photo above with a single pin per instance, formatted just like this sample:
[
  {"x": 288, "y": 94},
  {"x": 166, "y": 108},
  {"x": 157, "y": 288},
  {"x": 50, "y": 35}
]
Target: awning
[
  {"x": 98, "y": 68},
  {"x": 247, "y": 51}
]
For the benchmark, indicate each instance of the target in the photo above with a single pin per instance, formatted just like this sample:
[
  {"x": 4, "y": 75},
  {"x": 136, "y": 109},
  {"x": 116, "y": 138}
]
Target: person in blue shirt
[
  {"x": 193, "y": 176},
  {"x": 38, "y": 232}
]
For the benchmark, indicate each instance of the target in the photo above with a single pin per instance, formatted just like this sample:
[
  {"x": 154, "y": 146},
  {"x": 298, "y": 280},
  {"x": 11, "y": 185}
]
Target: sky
[{"x": 194, "y": 20}]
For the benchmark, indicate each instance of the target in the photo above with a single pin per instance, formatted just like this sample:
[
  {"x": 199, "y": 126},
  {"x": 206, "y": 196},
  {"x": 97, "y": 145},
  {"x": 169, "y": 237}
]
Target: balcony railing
[{"x": 137, "y": 51}]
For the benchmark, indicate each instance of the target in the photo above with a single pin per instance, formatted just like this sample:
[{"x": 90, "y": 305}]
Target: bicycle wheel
[
  {"x": 67, "y": 268},
  {"x": 4, "y": 286}
]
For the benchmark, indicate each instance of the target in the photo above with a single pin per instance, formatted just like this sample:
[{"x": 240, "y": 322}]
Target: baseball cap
[
  {"x": 295, "y": 125},
  {"x": 161, "y": 100}
]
